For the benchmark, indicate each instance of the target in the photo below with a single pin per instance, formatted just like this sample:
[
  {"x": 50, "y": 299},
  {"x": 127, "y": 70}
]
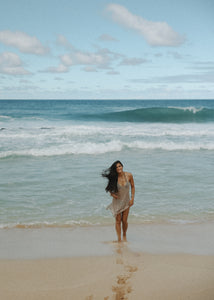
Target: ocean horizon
[{"x": 52, "y": 154}]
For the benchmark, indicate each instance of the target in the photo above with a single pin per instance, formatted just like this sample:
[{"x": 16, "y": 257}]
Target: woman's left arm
[{"x": 131, "y": 180}]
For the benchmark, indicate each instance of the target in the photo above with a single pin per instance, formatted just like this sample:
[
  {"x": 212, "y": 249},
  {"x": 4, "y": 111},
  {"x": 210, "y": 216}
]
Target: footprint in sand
[
  {"x": 120, "y": 292},
  {"x": 129, "y": 289},
  {"x": 121, "y": 279},
  {"x": 122, "y": 288},
  {"x": 131, "y": 269}
]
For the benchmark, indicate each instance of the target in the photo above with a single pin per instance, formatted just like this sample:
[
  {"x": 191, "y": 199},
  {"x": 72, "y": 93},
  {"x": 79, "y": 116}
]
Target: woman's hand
[
  {"x": 114, "y": 196},
  {"x": 131, "y": 202}
]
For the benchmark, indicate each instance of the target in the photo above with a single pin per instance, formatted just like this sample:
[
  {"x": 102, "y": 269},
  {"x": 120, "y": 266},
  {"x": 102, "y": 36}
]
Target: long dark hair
[{"x": 112, "y": 176}]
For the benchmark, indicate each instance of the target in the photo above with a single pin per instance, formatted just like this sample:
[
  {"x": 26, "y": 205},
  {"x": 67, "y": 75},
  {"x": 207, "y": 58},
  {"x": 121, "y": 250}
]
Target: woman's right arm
[{"x": 114, "y": 195}]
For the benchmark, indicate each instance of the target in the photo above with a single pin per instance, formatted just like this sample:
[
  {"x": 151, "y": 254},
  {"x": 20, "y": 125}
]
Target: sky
[{"x": 97, "y": 49}]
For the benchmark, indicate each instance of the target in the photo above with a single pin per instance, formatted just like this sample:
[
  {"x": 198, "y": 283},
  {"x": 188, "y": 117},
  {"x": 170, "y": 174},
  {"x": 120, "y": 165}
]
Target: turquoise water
[{"x": 53, "y": 152}]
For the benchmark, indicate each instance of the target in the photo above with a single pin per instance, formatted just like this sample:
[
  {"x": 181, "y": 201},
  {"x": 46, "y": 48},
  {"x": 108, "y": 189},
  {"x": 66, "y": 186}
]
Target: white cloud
[
  {"x": 90, "y": 69},
  {"x": 85, "y": 58},
  {"x": 134, "y": 61},
  {"x": 101, "y": 58},
  {"x": 61, "y": 40},
  {"x": 205, "y": 77},
  {"x": 107, "y": 38},
  {"x": 155, "y": 33},
  {"x": 91, "y": 60},
  {"x": 113, "y": 73},
  {"x": 24, "y": 42},
  {"x": 60, "y": 69},
  {"x": 11, "y": 64},
  {"x": 67, "y": 60}
]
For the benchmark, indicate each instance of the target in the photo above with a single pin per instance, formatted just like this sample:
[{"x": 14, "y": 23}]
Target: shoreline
[{"x": 38, "y": 243}]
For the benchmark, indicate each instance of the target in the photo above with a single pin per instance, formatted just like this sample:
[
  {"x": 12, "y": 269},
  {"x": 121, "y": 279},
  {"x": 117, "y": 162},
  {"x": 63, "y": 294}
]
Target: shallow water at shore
[
  {"x": 101, "y": 240},
  {"x": 173, "y": 187}
]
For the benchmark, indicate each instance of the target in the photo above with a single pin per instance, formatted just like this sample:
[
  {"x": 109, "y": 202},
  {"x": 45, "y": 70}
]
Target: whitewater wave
[
  {"x": 189, "y": 108},
  {"x": 62, "y": 133},
  {"x": 108, "y": 147},
  {"x": 5, "y": 117},
  {"x": 46, "y": 224},
  {"x": 134, "y": 218}
]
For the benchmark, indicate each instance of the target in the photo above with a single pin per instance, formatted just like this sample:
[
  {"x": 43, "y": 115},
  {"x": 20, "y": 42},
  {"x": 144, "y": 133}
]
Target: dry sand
[{"x": 123, "y": 275}]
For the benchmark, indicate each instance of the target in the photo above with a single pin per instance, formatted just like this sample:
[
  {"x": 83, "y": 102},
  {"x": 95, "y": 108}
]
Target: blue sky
[{"x": 136, "y": 49}]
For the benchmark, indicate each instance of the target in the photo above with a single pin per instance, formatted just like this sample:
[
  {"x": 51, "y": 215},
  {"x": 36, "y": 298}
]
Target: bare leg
[
  {"x": 125, "y": 223},
  {"x": 118, "y": 226}
]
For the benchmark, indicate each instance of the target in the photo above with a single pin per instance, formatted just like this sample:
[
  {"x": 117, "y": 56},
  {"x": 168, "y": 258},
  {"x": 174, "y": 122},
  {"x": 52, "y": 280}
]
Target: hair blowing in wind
[{"x": 112, "y": 176}]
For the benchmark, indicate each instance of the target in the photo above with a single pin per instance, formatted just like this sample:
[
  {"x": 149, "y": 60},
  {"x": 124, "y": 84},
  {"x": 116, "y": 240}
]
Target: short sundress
[{"x": 121, "y": 203}]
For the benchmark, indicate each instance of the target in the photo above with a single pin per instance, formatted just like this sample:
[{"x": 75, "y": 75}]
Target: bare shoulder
[{"x": 129, "y": 175}]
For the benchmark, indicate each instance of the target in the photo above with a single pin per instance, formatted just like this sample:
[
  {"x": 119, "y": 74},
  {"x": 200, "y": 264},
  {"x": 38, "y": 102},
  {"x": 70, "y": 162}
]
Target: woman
[{"x": 118, "y": 186}]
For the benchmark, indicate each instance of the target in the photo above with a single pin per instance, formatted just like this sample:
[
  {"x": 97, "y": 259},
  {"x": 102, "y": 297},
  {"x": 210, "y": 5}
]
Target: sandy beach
[
  {"x": 105, "y": 269},
  {"x": 124, "y": 275}
]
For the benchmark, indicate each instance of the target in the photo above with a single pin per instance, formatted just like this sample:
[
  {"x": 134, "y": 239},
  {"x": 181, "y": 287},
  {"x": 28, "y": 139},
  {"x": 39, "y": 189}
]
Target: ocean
[{"x": 52, "y": 154}]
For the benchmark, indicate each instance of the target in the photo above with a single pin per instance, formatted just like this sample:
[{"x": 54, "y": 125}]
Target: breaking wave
[{"x": 159, "y": 114}]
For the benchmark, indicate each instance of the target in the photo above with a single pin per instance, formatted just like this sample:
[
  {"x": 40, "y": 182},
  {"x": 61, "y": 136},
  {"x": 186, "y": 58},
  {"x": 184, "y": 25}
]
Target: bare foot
[
  {"x": 124, "y": 238},
  {"x": 119, "y": 239}
]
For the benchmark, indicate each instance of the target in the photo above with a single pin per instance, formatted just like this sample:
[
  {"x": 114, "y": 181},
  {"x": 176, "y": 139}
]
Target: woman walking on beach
[{"x": 118, "y": 186}]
